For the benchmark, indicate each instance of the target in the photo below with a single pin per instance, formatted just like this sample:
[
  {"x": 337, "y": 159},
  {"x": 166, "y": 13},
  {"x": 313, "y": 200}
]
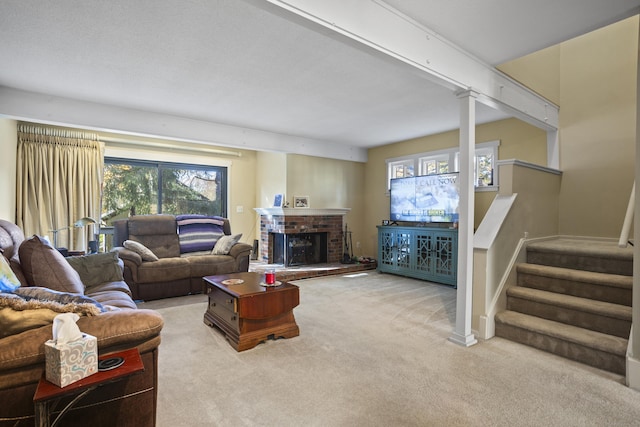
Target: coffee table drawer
[
  {"x": 224, "y": 307},
  {"x": 220, "y": 299}
]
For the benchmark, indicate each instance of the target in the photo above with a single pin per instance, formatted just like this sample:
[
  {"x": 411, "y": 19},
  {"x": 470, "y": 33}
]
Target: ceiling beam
[
  {"x": 47, "y": 109},
  {"x": 379, "y": 28}
]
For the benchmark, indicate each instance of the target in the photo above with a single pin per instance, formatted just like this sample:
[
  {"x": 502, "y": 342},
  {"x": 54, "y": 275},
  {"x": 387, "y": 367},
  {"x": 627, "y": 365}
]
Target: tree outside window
[{"x": 138, "y": 188}]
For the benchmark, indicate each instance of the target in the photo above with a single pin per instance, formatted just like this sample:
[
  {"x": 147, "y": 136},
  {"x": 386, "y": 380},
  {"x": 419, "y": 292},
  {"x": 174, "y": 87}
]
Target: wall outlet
[
  {"x": 358, "y": 245},
  {"x": 239, "y": 209}
]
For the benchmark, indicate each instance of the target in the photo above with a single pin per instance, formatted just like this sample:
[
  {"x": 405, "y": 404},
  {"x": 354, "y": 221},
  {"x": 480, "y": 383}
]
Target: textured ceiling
[{"x": 233, "y": 63}]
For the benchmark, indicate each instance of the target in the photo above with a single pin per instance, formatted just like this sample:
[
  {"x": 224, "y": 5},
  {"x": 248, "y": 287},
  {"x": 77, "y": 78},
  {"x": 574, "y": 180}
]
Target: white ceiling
[{"x": 246, "y": 63}]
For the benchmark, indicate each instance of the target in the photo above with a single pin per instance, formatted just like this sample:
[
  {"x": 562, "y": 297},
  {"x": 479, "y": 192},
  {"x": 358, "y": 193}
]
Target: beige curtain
[{"x": 59, "y": 182}]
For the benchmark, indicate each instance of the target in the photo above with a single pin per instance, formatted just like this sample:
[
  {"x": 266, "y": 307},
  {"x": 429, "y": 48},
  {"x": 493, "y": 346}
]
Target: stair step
[
  {"x": 601, "y": 256},
  {"x": 593, "y": 348},
  {"x": 604, "y": 317},
  {"x": 613, "y": 288}
]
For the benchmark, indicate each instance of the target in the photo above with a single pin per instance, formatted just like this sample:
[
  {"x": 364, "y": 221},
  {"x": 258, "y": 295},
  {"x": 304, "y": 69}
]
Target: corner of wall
[{"x": 8, "y": 161}]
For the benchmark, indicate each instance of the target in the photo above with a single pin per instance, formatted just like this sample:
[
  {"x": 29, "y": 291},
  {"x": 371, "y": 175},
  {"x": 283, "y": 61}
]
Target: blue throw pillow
[{"x": 8, "y": 280}]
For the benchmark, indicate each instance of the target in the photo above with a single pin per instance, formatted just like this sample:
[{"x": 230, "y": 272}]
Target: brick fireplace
[{"x": 275, "y": 222}]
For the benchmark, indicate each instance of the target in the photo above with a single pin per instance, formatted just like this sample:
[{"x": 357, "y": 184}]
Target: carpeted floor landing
[{"x": 373, "y": 351}]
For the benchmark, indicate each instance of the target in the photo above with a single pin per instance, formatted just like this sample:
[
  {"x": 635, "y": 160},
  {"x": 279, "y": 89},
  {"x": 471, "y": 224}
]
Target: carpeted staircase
[{"x": 573, "y": 299}]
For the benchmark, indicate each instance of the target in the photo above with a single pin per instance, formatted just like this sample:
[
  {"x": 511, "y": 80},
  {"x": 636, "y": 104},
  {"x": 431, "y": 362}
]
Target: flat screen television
[{"x": 428, "y": 198}]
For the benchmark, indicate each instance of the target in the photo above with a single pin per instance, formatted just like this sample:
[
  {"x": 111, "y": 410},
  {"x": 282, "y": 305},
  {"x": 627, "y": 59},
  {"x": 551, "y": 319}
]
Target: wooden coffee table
[{"x": 249, "y": 313}]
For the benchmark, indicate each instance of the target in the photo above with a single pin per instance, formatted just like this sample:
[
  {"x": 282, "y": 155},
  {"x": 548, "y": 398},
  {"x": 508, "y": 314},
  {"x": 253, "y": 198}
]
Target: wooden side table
[{"x": 48, "y": 395}]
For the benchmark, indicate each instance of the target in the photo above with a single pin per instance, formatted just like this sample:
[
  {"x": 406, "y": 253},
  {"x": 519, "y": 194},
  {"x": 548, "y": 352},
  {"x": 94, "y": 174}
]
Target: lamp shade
[{"x": 84, "y": 221}]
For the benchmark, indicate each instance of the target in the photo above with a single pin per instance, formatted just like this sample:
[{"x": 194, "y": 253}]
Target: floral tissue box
[{"x": 72, "y": 361}]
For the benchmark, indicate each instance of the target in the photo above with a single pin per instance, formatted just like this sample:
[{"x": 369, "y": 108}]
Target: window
[
  {"x": 443, "y": 161},
  {"x": 438, "y": 163},
  {"x": 401, "y": 169},
  {"x": 139, "y": 187},
  {"x": 484, "y": 163}
]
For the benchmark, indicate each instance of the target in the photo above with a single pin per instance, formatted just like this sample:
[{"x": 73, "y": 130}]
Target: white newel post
[{"x": 462, "y": 333}]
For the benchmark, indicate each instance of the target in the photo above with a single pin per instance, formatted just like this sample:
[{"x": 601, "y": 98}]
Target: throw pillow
[
  {"x": 44, "y": 266},
  {"x": 97, "y": 269},
  {"x": 8, "y": 280},
  {"x": 198, "y": 233},
  {"x": 225, "y": 243},
  {"x": 142, "y": 250}
]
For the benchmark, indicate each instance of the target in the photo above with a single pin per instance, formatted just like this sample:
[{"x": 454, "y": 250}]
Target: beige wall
[
  {"x": 593, "y": 78},
  {"x": 271, "y": 178},
  {"x": 331, "y": 184},
  {"x": 9, "y": 144},
  {"x": 517, "y": 140}
]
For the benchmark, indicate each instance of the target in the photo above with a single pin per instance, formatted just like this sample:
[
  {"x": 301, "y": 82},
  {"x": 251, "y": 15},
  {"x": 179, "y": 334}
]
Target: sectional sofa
[{"x": 93, "y": 287}]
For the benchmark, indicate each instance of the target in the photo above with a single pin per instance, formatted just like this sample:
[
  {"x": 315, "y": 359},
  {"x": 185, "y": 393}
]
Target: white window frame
[
  {"x": 451, "y": 155},
  {"x": 405, "y": 163}
]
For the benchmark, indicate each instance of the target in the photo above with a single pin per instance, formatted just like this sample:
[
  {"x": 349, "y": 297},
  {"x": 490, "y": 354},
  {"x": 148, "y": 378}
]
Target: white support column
[
  {"x": 553, "y": 150},
  {"x": 462, "y": 334}
]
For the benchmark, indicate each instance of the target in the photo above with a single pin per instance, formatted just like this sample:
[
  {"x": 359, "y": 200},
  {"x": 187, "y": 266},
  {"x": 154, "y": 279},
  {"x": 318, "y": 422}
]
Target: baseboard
[
  {"x": 633, "y": 373},
  {"x": 487, "y": 327},
  {"x": 633, "y": 366}
]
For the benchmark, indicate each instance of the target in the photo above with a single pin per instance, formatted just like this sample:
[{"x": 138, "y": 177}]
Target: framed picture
[
  {"x": 277, "y": 200},
  {"x": 300, "y": 201}
]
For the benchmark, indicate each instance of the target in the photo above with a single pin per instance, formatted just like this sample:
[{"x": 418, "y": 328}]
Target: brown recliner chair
[{"x": 129, "y": 402}]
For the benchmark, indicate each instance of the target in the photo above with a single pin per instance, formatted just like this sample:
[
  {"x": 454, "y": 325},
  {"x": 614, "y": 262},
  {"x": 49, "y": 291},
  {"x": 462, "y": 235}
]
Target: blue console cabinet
[{"x": 428, "y": 253}]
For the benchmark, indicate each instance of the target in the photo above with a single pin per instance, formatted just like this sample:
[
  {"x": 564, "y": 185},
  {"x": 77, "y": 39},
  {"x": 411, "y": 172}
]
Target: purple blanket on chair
[{"x": 199, "y": 233}]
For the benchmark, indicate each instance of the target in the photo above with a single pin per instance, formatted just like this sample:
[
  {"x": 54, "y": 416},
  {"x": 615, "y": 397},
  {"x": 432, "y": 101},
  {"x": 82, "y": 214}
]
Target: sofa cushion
[
  {"x": 164, "y": 270},
  {"x": 199, "y": 233},
  {"x": 225, "y": 243},
  {"x": 8, "y": 280},
  {"x": 211, "y": 265},
  {"x": 142, "y": 250},
  {"x": 120, "y": 286},
  {"x": 159, "y": 233},
  {"x": 114, "y": 300},
  {"x": 45, "y": 266},
  {"x": 97, "y": 268}
]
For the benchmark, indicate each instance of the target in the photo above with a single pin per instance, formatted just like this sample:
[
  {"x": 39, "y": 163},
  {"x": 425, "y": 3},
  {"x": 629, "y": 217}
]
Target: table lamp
[{"x": 82, "y": 222}]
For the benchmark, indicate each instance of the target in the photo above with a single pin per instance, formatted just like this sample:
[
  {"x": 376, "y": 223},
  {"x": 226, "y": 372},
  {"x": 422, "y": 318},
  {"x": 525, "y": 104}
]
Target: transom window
[
  {"x": 444, "y": 161},
  {"x": 437, "y": 163},
  {"x": 401, "y": 169}
]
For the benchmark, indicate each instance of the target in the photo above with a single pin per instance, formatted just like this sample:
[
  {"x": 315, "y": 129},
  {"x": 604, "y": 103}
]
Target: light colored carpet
[{"x": 373, "y": 351}]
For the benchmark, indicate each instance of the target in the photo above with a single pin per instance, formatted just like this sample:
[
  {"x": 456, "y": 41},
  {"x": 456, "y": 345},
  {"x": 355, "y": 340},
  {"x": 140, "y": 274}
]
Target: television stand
[{"x": 427, "y": 253}]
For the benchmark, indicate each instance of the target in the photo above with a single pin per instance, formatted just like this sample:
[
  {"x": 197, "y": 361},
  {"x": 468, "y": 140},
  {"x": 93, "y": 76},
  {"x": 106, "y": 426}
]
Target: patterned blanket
[{"x": 33, "y": 307}]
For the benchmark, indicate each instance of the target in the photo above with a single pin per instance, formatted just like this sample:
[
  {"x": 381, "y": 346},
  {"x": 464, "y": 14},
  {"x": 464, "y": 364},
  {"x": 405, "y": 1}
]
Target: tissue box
[{"x": 70, "y": 362}]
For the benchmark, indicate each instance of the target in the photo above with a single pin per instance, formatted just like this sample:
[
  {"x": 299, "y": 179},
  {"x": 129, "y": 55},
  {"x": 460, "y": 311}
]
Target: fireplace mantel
[{"x": 301, "y": 212}]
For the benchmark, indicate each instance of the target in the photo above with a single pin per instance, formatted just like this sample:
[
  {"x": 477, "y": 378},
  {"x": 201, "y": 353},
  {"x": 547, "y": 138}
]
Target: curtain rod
[
  {"x": 55, "y": 132},
  {"x": 162, "y": 145}
]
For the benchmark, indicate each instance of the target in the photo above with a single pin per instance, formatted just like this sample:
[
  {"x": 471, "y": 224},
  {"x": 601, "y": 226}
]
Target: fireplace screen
[{"x": 299, "y": 249}]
